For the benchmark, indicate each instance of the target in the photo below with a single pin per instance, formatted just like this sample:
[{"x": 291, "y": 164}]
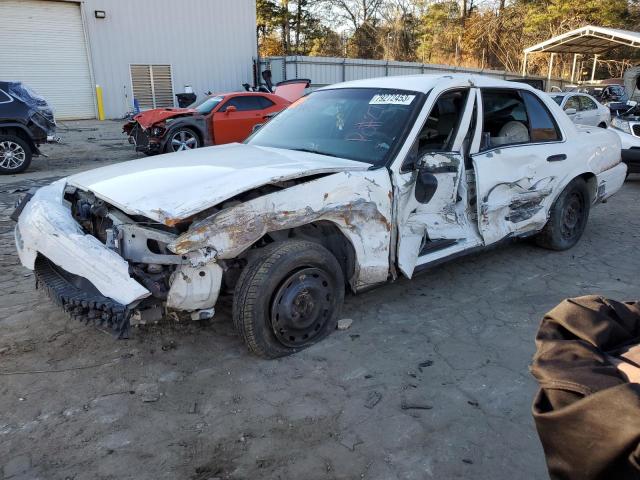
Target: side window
[
  {"x": 586, "y": 103},
  {"x": 440, "y": 128},
  {"x": 265, "y": 102},
  {"x": 243, "y": 104},
  {"x": 542, "y": 126},
  {"x": 572, "y": 102},
  {"x": 504, "y": 118}
]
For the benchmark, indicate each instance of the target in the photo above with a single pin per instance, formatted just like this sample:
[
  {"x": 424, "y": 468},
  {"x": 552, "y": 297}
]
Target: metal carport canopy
[
  {"x": 585, "y": 40},
  {"x": 589, "y": 39}
]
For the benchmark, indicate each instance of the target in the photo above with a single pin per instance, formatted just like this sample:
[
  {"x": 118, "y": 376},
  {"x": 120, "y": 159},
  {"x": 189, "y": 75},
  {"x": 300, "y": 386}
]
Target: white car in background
[{"x": 583, "y": 109}]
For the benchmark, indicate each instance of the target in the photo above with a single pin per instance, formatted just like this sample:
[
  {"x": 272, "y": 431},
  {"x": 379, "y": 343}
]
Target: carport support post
[
  {"x": 548, "y": 89},
  {"x": 593, "y": 69},
  {"x": 573, "y": 68},
  {"x": 524, "y": 65}
]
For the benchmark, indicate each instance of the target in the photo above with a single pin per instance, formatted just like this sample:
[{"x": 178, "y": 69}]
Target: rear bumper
[{"x": 610, "y": 181}]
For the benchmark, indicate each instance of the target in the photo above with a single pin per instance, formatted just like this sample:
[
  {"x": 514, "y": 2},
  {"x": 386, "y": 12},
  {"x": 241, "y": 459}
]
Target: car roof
[{"x": 424, "y": 83}]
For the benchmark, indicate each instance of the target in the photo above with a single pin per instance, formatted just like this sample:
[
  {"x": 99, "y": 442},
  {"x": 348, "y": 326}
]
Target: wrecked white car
[{"x": 350, "y": 187}]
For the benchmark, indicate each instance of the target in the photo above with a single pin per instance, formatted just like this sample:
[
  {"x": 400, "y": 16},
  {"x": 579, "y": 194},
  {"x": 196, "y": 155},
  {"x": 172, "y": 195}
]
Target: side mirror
[
  {"x": 426, "y": 185},
  {"x": 570, "y": 111},
  {"x": 230, "y": 109}
]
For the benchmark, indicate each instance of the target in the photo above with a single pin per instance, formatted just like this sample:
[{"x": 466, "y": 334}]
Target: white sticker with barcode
[{"x": 392, "y": 99}]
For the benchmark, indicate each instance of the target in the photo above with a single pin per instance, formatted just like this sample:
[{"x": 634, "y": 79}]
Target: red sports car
[{"x": 219, "y": 118}]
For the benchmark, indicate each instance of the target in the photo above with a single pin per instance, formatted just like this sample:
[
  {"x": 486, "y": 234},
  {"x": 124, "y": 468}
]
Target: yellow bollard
[{"x": 100, "y": 103}]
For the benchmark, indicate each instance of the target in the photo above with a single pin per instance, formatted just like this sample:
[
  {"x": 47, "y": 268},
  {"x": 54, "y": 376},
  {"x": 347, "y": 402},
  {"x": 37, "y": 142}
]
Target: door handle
[{"x": 557, "y": 158}]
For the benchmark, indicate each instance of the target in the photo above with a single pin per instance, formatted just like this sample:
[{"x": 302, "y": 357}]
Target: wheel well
[
  {"x": 193, "y": 128},
  {"x": 329, "y": 236},
  {"x": 592, "y": 184},
  {"x": 18, "y": 132}
]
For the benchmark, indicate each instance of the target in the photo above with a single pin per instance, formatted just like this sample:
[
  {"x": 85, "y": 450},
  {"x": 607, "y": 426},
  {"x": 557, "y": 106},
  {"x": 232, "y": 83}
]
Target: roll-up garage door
[{"x": 42, "y": 44}]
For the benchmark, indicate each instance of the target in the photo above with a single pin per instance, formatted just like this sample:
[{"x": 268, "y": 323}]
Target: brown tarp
[{"x": 587, "y": 412}]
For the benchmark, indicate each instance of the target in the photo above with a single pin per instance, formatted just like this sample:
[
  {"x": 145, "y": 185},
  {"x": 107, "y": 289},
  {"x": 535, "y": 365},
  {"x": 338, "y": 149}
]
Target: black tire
[
  {"x": 288, "y": 299},
  {"x": 15, "y": 154},
  {"x": 186, "y": 137},
  {"x": 602, "y": 125},
  {"x": 568, "y": 217}
]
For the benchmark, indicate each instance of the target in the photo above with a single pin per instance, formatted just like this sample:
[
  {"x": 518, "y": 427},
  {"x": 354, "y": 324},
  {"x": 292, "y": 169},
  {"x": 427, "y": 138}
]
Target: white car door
[
  {"x": 571, "y": 107},
  {"x": 588, "y": 111},
  {"x": 429, "y": 188},
  {"x": 518, "y": 157}
]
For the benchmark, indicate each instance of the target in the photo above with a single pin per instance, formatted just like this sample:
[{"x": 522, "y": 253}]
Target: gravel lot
[{"x": 430, "y": 381}]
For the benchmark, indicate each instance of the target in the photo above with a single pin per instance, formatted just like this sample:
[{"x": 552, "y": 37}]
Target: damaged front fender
[{"x": 357, "y": 202}]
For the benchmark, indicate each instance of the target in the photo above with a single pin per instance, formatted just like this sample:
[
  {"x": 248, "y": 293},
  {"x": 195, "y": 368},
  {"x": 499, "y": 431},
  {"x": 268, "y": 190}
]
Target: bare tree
[{"x": 354, "y": 13}]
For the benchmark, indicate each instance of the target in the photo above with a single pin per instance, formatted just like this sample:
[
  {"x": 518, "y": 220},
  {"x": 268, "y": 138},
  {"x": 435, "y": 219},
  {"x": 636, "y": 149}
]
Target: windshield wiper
[{"x": 308, "y": 150}]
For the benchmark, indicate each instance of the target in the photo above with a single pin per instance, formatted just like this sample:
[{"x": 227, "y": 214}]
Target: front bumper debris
[
  {"x": 81, "y": 300},
  {"x": 139, "y": 137},
  {"x": 46, "y": 228}
]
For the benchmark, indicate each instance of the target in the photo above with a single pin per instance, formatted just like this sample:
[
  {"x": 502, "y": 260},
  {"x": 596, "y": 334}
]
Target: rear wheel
[
  {"x": 182, "y": 139},
  {"x": 602, "y": 125},
  {"x": 288, "y": 299},
  {"x": 15, "y": 154},
  {"x": 567, "y": 218}
]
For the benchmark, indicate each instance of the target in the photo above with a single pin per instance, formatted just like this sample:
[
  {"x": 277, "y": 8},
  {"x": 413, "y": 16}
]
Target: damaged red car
[{"x": 218, "y": 119}]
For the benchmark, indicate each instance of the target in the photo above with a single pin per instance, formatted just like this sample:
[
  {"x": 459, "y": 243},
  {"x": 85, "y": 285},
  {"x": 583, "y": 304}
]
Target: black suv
[{"x": 26, "y": 122}]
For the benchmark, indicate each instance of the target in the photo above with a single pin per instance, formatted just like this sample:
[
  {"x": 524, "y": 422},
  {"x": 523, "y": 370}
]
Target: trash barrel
[{"x": 185, "y": 99}]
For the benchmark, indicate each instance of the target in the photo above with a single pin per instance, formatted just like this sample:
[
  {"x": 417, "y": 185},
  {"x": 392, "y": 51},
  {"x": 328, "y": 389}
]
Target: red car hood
[{"x": 151, "y": 117}]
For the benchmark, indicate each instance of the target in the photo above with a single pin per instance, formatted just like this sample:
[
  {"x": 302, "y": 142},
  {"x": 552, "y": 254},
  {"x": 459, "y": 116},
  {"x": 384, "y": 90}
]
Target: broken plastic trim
[{"x": 85, "y": 304}]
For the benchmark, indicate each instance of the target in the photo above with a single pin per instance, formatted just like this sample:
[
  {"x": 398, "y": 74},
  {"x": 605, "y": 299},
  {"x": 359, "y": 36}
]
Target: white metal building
[{"x": 149, "y": 49}]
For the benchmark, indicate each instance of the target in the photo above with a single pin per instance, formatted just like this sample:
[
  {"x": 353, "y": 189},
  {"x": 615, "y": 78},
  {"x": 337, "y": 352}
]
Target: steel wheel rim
[
  {"x": 302, "y": 306},
  {"x": 573, "y": 216},
  {"x": 183, "y": 140},
  {"x": 12, "y": 155}
]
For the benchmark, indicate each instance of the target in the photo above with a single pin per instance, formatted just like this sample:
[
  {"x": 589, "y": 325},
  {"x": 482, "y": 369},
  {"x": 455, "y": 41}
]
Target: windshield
[
  {"x": 558, "y": 99},
  {"x": 360, "y": 124},
  {"x": 208, "y": 104}
]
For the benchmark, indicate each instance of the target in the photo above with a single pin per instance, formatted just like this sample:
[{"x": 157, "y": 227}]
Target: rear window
[{"x": 541, "y": 124}]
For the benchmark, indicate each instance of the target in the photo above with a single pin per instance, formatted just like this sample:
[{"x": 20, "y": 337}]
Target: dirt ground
[{"x": 430, "y": 381}]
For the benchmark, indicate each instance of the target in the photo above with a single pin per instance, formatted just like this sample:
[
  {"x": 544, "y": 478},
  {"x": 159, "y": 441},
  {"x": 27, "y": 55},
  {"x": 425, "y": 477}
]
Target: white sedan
[
  {"x": 583, "y": 109},
  {"x": 353, "y": 185}
]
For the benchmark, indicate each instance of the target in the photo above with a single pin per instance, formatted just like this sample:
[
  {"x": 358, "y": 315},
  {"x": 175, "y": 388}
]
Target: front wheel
[
  {"x": 567, "y": 218},
  {"x": 182, "y": 139},
  {"x": 15, "y": 154},
  {"x": 288, "y": 299}
]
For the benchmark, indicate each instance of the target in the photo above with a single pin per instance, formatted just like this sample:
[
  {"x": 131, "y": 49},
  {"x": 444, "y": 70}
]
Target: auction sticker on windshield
[{"x": 392, "y": 99}]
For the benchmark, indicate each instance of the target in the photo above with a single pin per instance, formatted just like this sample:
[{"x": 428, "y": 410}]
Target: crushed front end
[
  {"x": 146, "y": 140},
  {"x": 104, "y": 266}
]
